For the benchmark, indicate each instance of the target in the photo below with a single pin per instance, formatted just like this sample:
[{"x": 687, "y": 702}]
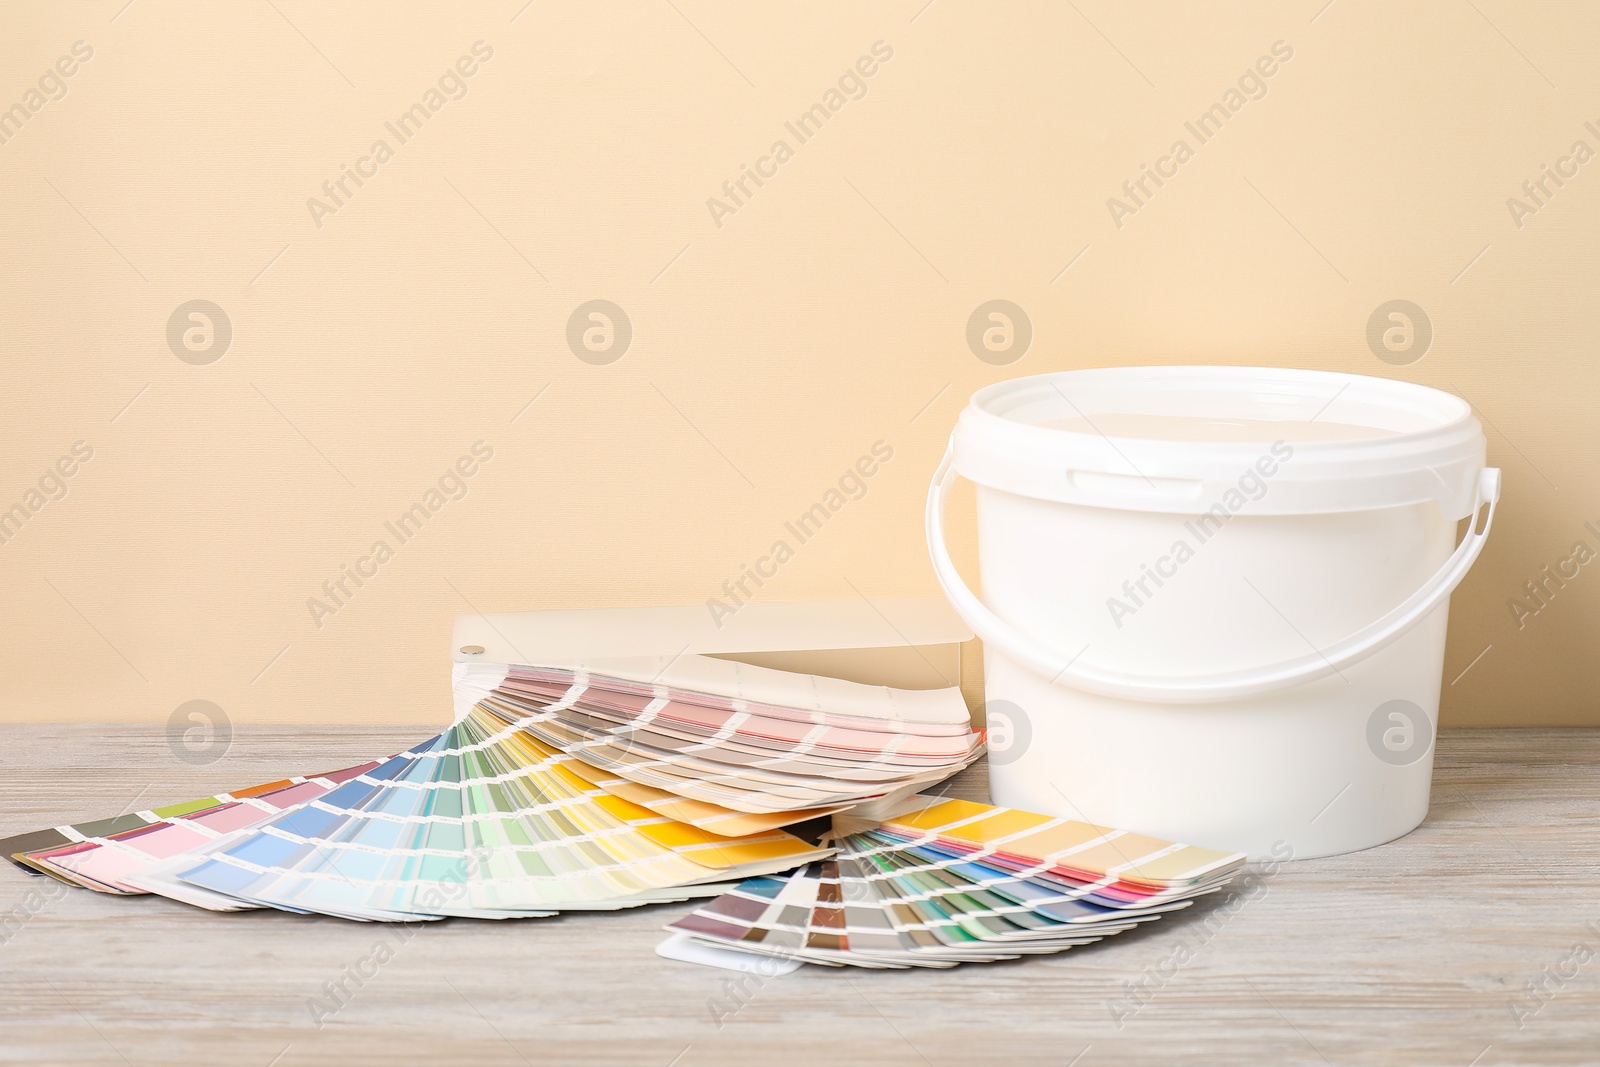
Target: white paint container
[{"x": 1214, "y": 598}]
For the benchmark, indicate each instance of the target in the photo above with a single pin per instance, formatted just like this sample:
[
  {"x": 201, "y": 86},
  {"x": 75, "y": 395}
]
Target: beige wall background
[{"x": 828, "y": 312}]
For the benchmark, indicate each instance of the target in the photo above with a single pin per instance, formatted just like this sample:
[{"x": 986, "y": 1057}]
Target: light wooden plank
[{"x": 1414, "y": 953}]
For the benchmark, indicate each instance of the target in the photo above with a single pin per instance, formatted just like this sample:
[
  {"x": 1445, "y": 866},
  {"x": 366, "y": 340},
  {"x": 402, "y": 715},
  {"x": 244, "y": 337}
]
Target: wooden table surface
[{"x": 1474, "y": 941}]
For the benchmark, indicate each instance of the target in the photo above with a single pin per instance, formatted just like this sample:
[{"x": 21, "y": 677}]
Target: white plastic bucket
[{"x": 1215, "y": 597}]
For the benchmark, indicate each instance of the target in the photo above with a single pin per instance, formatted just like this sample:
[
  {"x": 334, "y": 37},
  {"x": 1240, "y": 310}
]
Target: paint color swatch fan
[
  {"x": 748, "y": 738},
  {"x": 606, "y": 785},
  {"x": 946, "y": 882},
  {"x": 478, "y": 821}
]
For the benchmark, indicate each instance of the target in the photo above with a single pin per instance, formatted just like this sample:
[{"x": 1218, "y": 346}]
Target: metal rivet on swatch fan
[{"x": 472, "y": 650}]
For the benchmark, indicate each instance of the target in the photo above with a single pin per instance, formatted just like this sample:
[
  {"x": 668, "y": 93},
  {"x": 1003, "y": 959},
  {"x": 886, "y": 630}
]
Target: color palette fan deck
[
  {"x": 952, "y": 881},
  {"x": 630, "y": 782}
]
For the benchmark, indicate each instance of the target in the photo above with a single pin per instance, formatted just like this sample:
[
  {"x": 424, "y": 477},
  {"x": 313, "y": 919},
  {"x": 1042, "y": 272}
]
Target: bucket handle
[{"x": 1195, "y": 689}]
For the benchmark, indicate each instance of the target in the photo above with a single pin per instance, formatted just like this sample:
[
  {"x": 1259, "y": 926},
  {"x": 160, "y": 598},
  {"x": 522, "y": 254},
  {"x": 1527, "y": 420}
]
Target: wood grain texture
[{"x": 1414, "y": 953}]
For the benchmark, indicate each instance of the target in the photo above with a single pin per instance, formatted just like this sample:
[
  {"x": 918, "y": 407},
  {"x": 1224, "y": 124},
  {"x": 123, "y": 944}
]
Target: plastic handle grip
[{"x": 1199, "y": 689}]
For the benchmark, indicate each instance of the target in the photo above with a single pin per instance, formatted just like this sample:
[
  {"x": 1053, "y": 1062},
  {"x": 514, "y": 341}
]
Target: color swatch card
[
  {"x": 556, "y": 788},
  {"x": 102, "y": 855},
  {"x": 748, "y": 738},
  {"x": 1115, "y": 867},
  {"x": 953, "y": 881},
  {"x": 480, "y": 821},
  {"x": 619, "y": 783}
]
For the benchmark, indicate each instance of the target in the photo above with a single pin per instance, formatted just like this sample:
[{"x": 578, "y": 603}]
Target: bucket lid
[{"x": 1263, "y": 440}]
